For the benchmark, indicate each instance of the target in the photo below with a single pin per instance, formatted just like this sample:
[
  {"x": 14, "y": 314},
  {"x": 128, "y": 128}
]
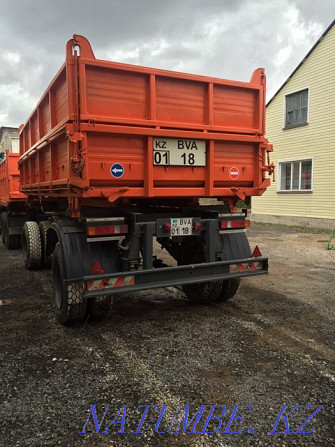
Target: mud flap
[
  {"x": 235, "y": 246},
  {"x": 81, "y": 258}
]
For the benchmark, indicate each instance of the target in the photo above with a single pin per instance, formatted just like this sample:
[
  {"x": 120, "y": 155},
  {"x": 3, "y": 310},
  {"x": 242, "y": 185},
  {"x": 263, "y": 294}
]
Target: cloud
[{"x": 222, "y": 38}]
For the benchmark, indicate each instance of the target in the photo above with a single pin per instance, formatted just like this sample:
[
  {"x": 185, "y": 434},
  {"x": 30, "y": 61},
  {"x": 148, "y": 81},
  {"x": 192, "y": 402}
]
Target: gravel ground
[{"x": 272, "y": 345}]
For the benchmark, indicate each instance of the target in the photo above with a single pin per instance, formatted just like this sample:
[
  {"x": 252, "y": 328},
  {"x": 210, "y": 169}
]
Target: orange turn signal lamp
[
  {"x": 106, "y": 230},
  {"x": 232, "y": 224}
]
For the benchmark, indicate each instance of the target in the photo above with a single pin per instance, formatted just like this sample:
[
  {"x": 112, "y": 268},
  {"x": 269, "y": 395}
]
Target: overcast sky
[{"x": 222, "y": 38}]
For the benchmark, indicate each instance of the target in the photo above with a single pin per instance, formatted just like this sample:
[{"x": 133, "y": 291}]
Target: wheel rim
[{"x": 58, "y": 287}]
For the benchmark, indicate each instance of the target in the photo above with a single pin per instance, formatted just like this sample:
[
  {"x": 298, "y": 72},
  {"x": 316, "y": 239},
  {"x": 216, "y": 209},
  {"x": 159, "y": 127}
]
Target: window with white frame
[
  {"x": 295, "y": 175},
  {"x": 296, "y": 109}
]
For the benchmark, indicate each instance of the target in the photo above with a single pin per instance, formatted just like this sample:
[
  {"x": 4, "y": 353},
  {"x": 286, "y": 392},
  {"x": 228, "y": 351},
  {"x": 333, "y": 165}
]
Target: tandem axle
[{"x": 98, "y": 256}]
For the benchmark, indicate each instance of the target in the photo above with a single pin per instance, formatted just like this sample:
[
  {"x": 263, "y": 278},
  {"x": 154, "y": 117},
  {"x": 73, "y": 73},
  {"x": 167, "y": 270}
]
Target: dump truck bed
[
  {"x": 104, "y": 131},
  {"x": 9, "y": 180}
]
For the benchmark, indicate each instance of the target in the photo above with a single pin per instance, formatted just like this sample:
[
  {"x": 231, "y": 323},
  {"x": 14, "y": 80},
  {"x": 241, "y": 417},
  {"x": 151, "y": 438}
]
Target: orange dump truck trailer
[
  {"x": 122, "y": 154},
  {"x": 12, "y": 201}
]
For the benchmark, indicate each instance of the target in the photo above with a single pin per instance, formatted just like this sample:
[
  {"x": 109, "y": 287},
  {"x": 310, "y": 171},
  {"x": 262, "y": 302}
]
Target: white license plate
[
  {"x": 181, "y": 226},
  {"x": 179, "y": 152}
]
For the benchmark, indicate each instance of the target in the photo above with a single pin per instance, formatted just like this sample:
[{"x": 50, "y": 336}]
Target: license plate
[
  {"x": 181, "y": 226},
  {"x": 179, "y": 152}
]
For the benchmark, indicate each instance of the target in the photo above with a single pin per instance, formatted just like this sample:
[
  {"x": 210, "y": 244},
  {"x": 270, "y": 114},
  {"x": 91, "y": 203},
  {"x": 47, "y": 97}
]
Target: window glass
[
  {"x": 286, "y": 176},
  {"x": 296, "y": 109},
  {"x": 306, "y": 174},
  {"x": 296, "y": 175},
  {"x": 304, "y": 98},
  {"x": 296, "y": 169},
  {"x": 304, "y": 115}
]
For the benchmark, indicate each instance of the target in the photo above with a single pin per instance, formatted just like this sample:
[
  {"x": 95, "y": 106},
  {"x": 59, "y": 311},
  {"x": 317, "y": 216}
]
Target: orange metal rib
[{"x": 97, "y": 113}]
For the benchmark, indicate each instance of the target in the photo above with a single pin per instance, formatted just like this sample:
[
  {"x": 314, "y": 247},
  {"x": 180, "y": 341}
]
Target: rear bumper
[{"x": 97, "y": 285}]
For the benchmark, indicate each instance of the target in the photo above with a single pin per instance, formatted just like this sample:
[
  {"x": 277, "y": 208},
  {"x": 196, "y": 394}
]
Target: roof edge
[{"x": 303, "y": 60}]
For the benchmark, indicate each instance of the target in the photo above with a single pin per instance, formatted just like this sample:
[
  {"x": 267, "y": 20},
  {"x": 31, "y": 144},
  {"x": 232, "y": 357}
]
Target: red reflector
[
  {"x": 103, "y": 230},
  {"x": 232, "y": 224},
  {"x": 167, "y": 228},
  {"x": 256, "y": 253},
  {"x": 18, "y": 213},
  {"x": 197, "y": 226},
  {"x": 97, "y": 269}
]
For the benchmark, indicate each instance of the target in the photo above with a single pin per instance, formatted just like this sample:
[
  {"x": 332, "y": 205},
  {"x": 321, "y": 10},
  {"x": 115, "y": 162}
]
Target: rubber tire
[
  {"x": 13, "y": 241},
  {"x": 31, "y": 245},
  {"x": 3, "y": 229},
  {"x": 4, "y": 232},
  {"x": 236, "y": 246},
  {"x": 229, "y": 289},
  {"x": 100, "y": 307},
  {"x": 44, "y": 226},
  {"x": 70, "y": 304},
  {"x": 203, "y": 293},
  {"x": 200, "y": 293}
]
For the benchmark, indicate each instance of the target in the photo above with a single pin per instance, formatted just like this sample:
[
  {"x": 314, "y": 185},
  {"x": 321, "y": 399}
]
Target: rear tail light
[
  {"x": 197, "y": 226},
  {"x": 167, "y": 228},
  {"x": 106, "y": 230},
  {"x": 18, "y": 213},
  {"x": 228, "y": 224}
]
